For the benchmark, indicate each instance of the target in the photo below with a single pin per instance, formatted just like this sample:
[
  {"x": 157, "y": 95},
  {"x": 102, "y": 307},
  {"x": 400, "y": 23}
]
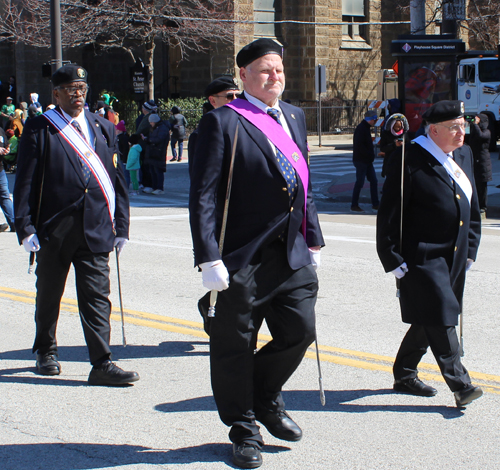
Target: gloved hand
[
  {"x": 31, "y": 243},
  {"x": 470, "y": 262},
  {"x": 401, "y": 271},
  {"x": 315, "y": 255},
  {"x": 120, "y": 244},
  {"x": 214, "y": 275}
]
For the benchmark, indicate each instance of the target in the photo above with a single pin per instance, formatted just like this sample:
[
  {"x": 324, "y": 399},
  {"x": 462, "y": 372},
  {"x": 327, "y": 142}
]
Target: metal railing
[{"x": 341, "y": 119}]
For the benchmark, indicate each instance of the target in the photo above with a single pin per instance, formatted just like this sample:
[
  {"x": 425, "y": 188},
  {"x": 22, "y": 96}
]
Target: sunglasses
[{"x": 229, "y": 96}]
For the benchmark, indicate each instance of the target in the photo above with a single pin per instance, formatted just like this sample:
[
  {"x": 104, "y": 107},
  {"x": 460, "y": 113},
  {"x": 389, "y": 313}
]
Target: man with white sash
[
  {"x": 71, "y": 207},
  {"x": 271, "y": 249},
  {"x": 441, "y": 229}
]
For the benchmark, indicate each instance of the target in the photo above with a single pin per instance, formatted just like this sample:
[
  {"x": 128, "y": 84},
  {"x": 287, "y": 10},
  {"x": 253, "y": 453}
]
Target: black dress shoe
[
  {"x": 280, "y": 425},
  {"x": 414, "y": 387},
  {"x": 467, "y": 394},
  {"x": 4, "y": 227},
  {"x": 246, "y": 455},
  {"x": 356, "y": 209},
  {"x": 47, "y": 364},
  {"x": 110, "y": 374}
]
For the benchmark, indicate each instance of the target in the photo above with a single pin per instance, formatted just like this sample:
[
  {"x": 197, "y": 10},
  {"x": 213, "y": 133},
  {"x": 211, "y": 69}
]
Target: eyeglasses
[
  {"x": 229, "y": 96},
  {"x": 456, "y": 127},
  {"x": 71, "y": 90}
]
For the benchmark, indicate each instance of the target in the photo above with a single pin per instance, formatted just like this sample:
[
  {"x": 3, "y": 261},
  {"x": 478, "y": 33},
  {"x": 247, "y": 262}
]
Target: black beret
[
  {"x": 220, "y": 84},
  {"x": 69, "y": 73},
  {"x": 445, "y": 110},
  {"x": 256, "y": 49}
]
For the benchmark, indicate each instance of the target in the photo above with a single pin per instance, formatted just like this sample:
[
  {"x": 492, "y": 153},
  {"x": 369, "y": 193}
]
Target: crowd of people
[{"x": 258, "y": 258}]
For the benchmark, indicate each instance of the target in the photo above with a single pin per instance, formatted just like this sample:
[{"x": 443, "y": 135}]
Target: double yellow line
[{"x": 343, "y": 357}]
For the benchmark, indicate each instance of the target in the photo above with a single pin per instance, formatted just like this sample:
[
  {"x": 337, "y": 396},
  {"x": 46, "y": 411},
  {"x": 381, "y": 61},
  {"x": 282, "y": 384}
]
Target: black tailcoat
[
  {"x": 64, "y": 187},
  {"x": 440, "y": 231},
  {"x": 259, "y": 207}
]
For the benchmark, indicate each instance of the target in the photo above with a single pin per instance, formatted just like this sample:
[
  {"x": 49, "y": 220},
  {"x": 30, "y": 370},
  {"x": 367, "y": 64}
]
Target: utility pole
[
  {"x": 55, "y": 34},
  {"x": 417, "y": 16}
]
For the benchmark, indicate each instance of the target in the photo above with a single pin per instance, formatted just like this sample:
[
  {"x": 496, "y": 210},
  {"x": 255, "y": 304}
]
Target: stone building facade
[{"x": 352, "y": 53}]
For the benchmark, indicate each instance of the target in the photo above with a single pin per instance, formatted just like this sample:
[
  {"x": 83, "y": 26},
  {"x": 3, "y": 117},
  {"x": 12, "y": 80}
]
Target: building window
[
  {"x": 269, "y": 11},
  {"x": 354, "y": 35}
]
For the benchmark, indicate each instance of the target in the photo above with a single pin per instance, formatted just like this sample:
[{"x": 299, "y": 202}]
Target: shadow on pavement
[
  {"x": 336, "y": 401},
  {"x": 131, "y": 351},
  {"x": 79, "y": 456}
]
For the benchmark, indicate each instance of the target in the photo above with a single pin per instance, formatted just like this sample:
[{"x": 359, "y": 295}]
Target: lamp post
[{"x": 55, "y": 34}]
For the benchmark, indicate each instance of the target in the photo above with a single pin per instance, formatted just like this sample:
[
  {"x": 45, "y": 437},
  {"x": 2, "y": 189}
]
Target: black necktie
[{"x": 85, "y": 168}]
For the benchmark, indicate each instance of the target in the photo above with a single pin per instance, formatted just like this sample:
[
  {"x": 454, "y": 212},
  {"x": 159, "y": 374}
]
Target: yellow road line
[{"x": 331, "y": 354}]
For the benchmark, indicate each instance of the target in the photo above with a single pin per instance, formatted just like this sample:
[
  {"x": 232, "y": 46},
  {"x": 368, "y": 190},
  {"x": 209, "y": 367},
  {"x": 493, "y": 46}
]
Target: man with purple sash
[{"x": 272, "y": 241}]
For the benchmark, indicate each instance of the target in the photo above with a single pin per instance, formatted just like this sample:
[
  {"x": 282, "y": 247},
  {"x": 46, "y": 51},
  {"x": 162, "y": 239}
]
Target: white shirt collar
[{"x": 84, "y": 124}]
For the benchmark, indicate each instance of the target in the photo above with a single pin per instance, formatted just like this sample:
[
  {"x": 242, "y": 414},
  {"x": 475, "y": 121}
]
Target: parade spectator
[
  {"x": 363, "y": 155},
  {"x": 156, "y": 151},
  {"x": 5, "y": 200},
  {"x": 10, "y": 158},
  {"x": 479, "y": 142},
  {"x": 391, "y": 138},
  {"x": 178, "y": 125},
  {"x": 134, "y": 163},
  {"x": 123, "y": 147},
  {"x": 7, "y": 112}
]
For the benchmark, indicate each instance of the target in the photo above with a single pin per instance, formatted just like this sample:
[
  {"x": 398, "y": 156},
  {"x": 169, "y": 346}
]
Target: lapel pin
[{"x": 293, "y": 116}]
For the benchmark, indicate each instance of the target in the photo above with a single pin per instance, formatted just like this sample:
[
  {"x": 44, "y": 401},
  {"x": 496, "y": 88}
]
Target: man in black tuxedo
[
  {"x": 440, "y": 238},
  {"x": 71, "y": 207},
  {"x": 267, "y": 268}
]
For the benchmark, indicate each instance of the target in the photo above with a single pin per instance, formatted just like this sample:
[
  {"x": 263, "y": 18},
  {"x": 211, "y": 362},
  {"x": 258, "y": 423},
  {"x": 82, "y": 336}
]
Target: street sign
[{"x": 320, "y": 79}]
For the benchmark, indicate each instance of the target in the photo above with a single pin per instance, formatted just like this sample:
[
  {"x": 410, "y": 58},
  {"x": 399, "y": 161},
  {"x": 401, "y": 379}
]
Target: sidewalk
[{"x": 340, "y": 188}]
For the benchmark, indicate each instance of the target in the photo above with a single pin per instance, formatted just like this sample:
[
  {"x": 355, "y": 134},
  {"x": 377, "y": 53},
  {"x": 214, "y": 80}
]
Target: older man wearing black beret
[
  {"x": 266, "y": 270},
  {"x": 441, "y": 229},
  {"x": 71, "y": 207}
]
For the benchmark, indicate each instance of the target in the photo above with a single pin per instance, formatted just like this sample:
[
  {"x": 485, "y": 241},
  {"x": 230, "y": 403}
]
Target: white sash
[
  {"x": 87, "y": 153},
  {"x": 451, "y": 167}
]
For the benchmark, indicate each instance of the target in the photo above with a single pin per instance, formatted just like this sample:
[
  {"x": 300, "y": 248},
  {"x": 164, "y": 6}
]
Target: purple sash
[{"x": 281, "y": 140}]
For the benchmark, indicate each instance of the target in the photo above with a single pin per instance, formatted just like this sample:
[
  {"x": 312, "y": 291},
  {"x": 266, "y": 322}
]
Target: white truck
[{"x": 478, "y": 86}]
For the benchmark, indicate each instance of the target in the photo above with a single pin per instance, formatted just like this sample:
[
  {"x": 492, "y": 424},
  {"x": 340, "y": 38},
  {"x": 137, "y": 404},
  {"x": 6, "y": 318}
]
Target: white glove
[
  {"x": 120, "y": 244},
  {"x": 31, "y": 243},
  {"x": 214, "y": 275},
  {"x": 315, "y": 258},
  {"x": 401, "y": 271},
  {"x": 470, "y": 262}
]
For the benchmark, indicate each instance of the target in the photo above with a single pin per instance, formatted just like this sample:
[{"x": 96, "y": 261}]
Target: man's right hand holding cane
[{"x": 214, "y": 275}]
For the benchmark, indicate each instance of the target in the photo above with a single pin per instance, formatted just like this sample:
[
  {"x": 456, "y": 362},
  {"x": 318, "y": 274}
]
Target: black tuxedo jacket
[
  {"x": 259, "y": 208},
  {"x": 440, "y": 231},
  {"x": 64, "y": 188}
]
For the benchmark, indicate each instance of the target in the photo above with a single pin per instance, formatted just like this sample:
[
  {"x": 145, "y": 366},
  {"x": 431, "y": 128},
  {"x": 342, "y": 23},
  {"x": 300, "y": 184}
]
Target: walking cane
[
  {"x": 124, "y": 341},
  {"x": 462, "y": 352},
  {"x": 320, "y": 377},
  {"x": 213, "y": 292},
  {"x": 42, "y": 179},
  {"x": 398, "y": 281}
]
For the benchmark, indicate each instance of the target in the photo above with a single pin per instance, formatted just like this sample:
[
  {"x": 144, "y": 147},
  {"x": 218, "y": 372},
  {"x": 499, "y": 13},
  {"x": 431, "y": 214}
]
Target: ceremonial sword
[{"x": 214, "y": 292}]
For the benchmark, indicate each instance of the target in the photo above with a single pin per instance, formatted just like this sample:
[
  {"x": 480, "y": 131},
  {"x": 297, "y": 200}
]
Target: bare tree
[
  {"x": 482, "y": 21},
  {"x": 186, "y": 24}
]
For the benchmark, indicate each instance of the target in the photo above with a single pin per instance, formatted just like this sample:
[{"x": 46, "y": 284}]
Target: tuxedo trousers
[
  {"x": 66, "y": 246},
  {"x": 443, "y": 341},
  {"x": 247, "y": 382}
]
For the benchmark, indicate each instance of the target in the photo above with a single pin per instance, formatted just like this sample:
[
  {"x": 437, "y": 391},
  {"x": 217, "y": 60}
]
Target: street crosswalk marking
[{"x": 323, "y": 168}]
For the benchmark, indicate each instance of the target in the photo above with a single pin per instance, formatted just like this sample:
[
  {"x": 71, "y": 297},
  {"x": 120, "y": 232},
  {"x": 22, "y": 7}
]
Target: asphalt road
[{"x": 168, "y": 419}]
